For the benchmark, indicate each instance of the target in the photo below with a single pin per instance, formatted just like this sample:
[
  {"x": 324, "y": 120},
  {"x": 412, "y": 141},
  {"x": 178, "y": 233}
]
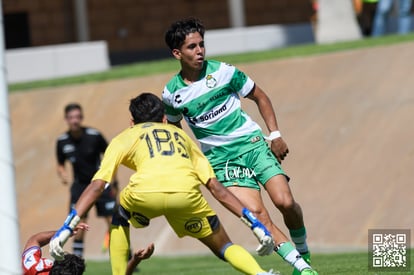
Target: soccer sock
[
  {"x": 119, "y": 249},
  {"x": 241, "y": 260},
  {"x": 291, "y": 255},
  {"x": 77, "y": 247},
  {"x": 299, "y": 238},
  {"x": 105, "y": 242}
]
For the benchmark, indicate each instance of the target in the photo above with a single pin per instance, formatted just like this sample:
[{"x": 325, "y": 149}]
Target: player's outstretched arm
[
  {"x": 39, "y": 239},
  {"x": 225, "y": 197},
  {"x": 86, "y": 200},
  {"x": 232, "y": 203},
  {"x": 89, "y": 196},
  {"x": 42, "y": 238},
  {"x": 138, "y": 256}
]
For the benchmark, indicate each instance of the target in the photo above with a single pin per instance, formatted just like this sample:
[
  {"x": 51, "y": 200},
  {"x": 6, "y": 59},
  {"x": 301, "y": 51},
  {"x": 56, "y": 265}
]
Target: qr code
[{"x": 389, "y": 249}]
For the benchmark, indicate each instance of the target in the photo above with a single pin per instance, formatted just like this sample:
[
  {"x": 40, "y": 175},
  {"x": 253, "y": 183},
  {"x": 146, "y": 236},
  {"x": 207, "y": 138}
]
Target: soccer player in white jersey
[{"x": 207, "y": 94}]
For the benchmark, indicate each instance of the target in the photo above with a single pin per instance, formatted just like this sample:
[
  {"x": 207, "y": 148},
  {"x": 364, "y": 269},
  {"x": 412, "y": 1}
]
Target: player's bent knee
[{"x": 286, "y": 204}]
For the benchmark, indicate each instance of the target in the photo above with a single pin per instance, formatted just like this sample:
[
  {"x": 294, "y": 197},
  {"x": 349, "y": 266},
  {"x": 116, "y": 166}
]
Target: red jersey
[{"x": 34, "y": 264}]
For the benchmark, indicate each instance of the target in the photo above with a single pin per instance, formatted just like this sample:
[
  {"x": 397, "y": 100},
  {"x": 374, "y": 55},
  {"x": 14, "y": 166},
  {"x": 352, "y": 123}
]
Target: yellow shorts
[{"x": 187, "y": 213}]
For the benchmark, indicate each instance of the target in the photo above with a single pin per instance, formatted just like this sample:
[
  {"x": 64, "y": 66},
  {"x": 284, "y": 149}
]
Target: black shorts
[{"x": 105, "y": 205}]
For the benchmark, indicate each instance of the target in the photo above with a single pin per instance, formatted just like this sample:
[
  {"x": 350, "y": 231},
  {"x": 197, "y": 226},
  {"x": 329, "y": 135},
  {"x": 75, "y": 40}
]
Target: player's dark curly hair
[
  {"x": 175, "y": 35},
  {"x": 146, "y": 107},
  {"x": 71, "y": 265}
]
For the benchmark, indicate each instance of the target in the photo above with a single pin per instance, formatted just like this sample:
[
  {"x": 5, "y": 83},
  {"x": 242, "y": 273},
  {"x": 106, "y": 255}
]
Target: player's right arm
[
  {"x": 62, "y": 173},
  {"x": 278, "y": 145},
  {"x": 225, "y": 197},
  {"x": 113, "y": 157},
  {"x": 110, "y": 162},
  {"x": 232, "y": 203}
]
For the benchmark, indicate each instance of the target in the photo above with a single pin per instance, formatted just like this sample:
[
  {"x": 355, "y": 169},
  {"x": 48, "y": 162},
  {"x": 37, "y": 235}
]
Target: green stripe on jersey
[
  {"x": 208, "y": 101},
  {"x": 170, "y": 110}
]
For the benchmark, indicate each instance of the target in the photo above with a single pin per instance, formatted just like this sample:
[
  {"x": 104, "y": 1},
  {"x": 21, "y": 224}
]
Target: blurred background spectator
[
  {"x": 382, "y": 15},
  {"x": 365, "y": 11}
]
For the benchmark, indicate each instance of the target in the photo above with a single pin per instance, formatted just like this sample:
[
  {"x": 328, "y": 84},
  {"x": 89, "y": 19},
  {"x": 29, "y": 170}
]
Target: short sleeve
[
  {"x": 241, "y": 83},
  {"x": 111, "y": 160},
  {"x": 173, "y": 114}
]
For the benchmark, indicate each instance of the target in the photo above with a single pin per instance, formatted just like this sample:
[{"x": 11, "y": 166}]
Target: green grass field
[{"x": 336, "y": 263}]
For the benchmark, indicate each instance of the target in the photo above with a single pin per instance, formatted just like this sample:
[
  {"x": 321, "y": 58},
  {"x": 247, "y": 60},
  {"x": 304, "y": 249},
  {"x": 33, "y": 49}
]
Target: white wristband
[{"x": 273, "y": 135}]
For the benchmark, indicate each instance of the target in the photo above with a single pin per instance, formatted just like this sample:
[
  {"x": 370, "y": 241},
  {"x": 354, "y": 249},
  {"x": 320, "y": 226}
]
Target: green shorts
[{"x": 249, "y": 169}]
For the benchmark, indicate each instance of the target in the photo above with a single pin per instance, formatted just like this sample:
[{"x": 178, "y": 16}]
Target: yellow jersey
[{"x": 163, "y": 156}]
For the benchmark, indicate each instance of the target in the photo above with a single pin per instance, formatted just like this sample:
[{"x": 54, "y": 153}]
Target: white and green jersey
[{"x": 212, "y": 108}]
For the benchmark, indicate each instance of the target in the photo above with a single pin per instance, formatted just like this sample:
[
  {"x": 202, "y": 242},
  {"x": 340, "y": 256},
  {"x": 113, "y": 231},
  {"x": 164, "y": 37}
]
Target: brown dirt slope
[{"x": 347, "y": 117}]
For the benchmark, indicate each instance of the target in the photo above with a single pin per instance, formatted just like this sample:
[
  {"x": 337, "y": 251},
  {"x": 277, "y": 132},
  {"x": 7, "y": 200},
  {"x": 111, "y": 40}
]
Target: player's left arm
[
  {"x": 232, "y": 203},
  {"x": 85, "y": 202},
  {"x": 225, "y": 197},
  {"x": 103, "y": 145},
  {"x": 278, "y": 145},
  {"x": 112, "y": 159},
  {"x": 89, "y": 196}
]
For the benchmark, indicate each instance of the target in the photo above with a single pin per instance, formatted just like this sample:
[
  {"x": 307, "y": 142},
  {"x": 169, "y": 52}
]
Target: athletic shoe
[
  {"x": 307, "y": 259},
  {"x": 308, "y": 271}
]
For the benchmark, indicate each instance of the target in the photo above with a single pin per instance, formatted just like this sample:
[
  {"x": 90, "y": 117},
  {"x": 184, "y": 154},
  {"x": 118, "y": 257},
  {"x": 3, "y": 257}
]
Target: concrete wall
[
  {"x": 257, "y": 38},
  {"x": 36, "y": 63},
  {"x": 47, "y": 62}
]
